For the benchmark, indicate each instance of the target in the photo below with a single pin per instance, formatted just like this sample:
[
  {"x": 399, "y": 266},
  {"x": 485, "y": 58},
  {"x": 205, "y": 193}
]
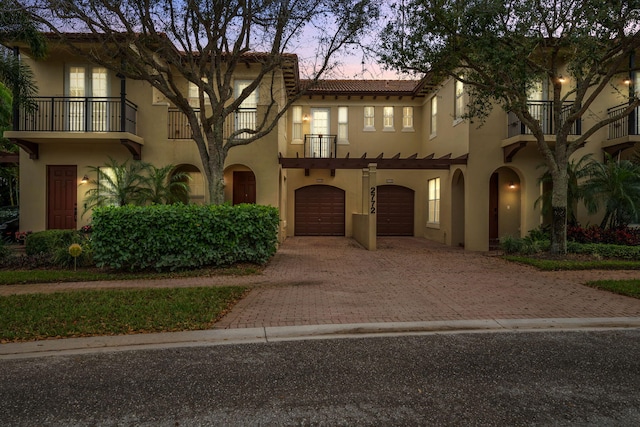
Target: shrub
[
  {"x": 605, "y": 250},
  {"x": 183, "y": 236},
  {"x": 596, "y": 234},
  {"x": 49, "y": 241},
  {"x": 510, "y": 244}
]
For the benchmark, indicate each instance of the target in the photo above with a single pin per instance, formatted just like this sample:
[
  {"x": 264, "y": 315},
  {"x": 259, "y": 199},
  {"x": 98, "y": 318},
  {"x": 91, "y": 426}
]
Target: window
[
  {"x": 107, "y": 185},
  {"x": 434, "y": 201},
  {"x": 343, "y": 125},
  {"x": 246, "y": 112},
  {"x": 459, "y": 101},
  {"x": 407, "y": 119},
  {"x": 369, "y": 122},
  {"x": 387, "y": 122},
  {"x": 296, "y": 127},
  {"x": 194, "y": 94},
  {"x": 90, "y": 86},
  {"x": 434, "y": 116}
]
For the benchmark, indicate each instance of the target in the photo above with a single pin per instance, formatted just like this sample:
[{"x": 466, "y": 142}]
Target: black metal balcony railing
[
  {"x": 543, "y": 112},
  {"x": 179, "y": 127},
  {"x": 320, "y": 146},
  {"x": 624, "y": 126},
  {"x": 78, "y": 114}
]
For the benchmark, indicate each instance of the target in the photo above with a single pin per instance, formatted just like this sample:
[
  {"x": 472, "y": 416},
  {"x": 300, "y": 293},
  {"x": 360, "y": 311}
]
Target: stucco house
[{"x": 361, "y": 158}]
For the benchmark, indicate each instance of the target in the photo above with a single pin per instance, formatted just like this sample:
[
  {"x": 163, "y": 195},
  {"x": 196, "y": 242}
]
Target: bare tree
[{"x": 205, "y": 42}]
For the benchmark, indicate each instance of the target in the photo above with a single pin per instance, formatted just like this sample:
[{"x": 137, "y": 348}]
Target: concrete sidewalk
[{"x": 412, "y": 285}]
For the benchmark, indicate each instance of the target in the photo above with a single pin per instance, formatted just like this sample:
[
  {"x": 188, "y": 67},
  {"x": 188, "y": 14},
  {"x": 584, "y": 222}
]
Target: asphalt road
[{"x": 541, "y": 378}]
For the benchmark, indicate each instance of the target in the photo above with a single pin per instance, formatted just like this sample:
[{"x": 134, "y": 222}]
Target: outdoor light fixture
[
  {"x": 84, "y": 179},
  {"x": 627, "y": 81},
  {"x": 512, "y": 185},
  {"x": 305, "y": 118},
  {"x": 561, "y": 79}
]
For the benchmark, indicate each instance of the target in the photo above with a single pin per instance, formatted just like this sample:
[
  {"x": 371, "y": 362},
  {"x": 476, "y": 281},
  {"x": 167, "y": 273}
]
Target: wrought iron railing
[
  {"x": 180, "y": 128},
  {"x": 320, "y": 146},
  {"x": 543, "y": 112},
  {"x": 624, "y": 126},
  {"x": 78, "y": 114}
]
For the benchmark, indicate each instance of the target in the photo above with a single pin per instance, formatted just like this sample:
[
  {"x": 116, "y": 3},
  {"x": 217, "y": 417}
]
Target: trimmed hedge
[
  {"x": 604, "y": 250},
  {"x": 183, "y": 236}
]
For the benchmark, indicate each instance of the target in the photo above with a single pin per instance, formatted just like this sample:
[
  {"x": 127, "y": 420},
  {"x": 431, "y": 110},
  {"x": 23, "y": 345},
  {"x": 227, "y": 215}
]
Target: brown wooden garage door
[
  {"x": 395, "y": 211},
  {"x": 319, "y": 211}
]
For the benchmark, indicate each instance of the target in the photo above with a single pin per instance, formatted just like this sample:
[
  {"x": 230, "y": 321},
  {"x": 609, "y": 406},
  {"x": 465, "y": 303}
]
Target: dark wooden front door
[
  {"x": 319, "y": 211},
  {"x": 62, "y": 205},
  {"x": 395, "y": 211},
  {"x": 244, "y": 187}
]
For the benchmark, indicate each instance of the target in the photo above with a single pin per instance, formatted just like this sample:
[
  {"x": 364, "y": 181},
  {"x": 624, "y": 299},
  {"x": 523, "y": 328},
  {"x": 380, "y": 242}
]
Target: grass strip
[
  {"x": 630, "y": 288},
  {"x": 15, "y": 277},
  {"x": 551, "y": 265},
  {"x": 113, "y": 312}
]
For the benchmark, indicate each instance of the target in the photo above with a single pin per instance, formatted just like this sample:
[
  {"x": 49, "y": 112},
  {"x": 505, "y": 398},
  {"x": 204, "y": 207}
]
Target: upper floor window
[
  {"x": 194, "y": 94},
  {"x": 387, "y": 115},
  {"x": 246, "y": 112},
  {"x": 434, "y": 201},
  {"x": 407, "y": 118},
  {"x": 459, "y": 100},
  {"x": 434, "y": 116},
  {"x": 369, "y": 122},
  {"x": 343, "y": 125},
  {"x": 91, "y": 83},
  {"x": 296, "y": 126}
]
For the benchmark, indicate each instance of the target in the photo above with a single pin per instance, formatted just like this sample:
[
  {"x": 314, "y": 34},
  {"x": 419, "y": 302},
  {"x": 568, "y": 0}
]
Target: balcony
[
  {"x": 624, "y": 132},
  {"x": 519, "y": 135},
  {"x": 178, "y": 127},
  {"x": 69, "y": 119},
  {"x": 320, "y": 146},
  {"x": 543, "y": 112}
]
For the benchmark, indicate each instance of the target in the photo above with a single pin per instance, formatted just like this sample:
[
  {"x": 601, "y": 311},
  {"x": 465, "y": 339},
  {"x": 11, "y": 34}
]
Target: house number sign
[{"x": 373, "y": 200}]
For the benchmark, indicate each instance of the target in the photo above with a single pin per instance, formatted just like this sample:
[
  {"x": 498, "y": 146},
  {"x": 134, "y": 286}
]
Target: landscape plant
[{"x": 169, "y": 237}]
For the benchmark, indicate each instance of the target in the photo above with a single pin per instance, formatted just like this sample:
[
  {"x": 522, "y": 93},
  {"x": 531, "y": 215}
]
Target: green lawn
[
  {"x": 629, "y": 288},
  {"x": 113, "y": 312},
  {"x": 568, "y": 264},
  {"x": 13, "y": 277}
]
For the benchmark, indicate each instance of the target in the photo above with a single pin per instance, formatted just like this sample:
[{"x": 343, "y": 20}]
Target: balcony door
[
  {"x": 87, "y": 88},
  {"x": 319, "y": 144},
  {"x": 539, "y": 108},
  {"x": 246, "y": 114}
]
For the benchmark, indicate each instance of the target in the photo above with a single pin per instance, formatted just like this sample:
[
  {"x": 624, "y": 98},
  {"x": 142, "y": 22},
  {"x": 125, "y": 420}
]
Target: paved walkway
[{"x": 326, "y": 280}]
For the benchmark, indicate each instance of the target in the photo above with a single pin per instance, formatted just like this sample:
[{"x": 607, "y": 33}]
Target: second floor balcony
[
  {"x": 78, "y": 114},
  {"x": 178, "y": 126},
  {"x": 624, "y": 126},
  {"x": 64, "y": 119},
  {"x": 543, "y": 112}
]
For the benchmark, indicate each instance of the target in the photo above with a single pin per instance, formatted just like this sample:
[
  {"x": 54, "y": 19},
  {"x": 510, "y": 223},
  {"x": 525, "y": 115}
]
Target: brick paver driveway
[
  {"x": 326, "y": 280},
  {"x": 333, "y": 280}
]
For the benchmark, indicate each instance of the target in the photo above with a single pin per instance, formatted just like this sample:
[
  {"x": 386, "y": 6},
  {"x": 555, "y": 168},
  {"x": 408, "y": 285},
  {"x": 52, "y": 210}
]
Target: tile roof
[{"x": 395, "y": 87}]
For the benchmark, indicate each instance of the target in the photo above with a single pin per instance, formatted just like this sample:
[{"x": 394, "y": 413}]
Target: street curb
[{"x": 102, "y": 344}]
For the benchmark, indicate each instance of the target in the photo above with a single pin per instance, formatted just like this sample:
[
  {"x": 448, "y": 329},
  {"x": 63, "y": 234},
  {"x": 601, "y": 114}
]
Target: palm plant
[
  {"x": 617, "y": 185},
  {"x": 576, "y": 172},
  {"x": 117, "y": 184},
  {"x": 165, "y": 187}
]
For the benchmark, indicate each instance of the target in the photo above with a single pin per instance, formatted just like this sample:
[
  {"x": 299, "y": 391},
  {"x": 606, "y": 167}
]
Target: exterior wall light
[
  {"x": 305, "y": 118},
  {"x": 512, "y": 185},
  {"x": 84, "y": 179},
  {"x": 561, "y": 79}
]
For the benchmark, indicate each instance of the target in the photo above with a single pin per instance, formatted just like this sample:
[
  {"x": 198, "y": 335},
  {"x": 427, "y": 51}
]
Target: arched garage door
[
  {"x": 395, "y": 211},
  {"x": 319, "y": 211}
]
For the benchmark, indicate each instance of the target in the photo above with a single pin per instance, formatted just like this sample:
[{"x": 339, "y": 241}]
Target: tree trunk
[
  {"x": 214, "y": 169},
  {"x": 559, "y": 210}
]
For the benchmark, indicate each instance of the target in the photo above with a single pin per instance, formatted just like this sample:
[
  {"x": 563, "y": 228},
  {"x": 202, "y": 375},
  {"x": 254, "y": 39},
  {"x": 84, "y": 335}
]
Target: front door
[
  {"x": 244, "y": 187},
  {"x": 62, "y": 205}
]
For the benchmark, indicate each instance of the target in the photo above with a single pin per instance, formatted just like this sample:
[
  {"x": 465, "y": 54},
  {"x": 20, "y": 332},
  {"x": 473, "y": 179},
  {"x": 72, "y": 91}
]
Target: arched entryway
[
  {"x": 504, "y": 205},
  {"x": 457, "y": 209},
  {"x": 395, "y": 211},
  {"x": 319, "y": 211}
]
